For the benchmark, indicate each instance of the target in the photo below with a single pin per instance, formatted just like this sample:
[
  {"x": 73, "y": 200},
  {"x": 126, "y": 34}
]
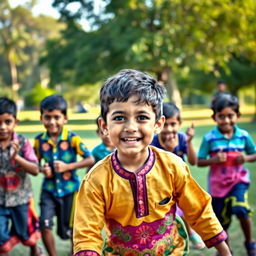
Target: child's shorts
[
  {"x": 234, "y": 203},
  {"x": 63, "y": 208},
  {"x": 23, "y": 228}
]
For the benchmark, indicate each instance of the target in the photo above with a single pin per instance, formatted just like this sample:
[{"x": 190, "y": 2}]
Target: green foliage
[
  {"x": 35, "y": 95},
  {"x": 22, "y": 39},
  {"x": 179, "y": 36}
]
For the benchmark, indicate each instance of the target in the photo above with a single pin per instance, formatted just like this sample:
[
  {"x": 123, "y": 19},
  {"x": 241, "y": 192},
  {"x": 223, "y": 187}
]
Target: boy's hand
[
  {"x": 241, "y": 158},
  {"x": 15, "y": 147},
  {"x": 221, "y": 157},
  {"x": 47, "y": 171},
  {"x": 60, "y": 166},
  {"x": 190, "y": 132}
]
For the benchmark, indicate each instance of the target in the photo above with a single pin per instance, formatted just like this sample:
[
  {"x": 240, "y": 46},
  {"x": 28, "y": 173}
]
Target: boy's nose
[{"x": 130, "y": 126}]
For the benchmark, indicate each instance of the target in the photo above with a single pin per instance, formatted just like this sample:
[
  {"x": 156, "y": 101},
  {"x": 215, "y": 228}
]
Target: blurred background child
[
  {"x": 222, "y": 149},
  {"x": 57, "y": 149},
  {"x": 18, "y": 221}
]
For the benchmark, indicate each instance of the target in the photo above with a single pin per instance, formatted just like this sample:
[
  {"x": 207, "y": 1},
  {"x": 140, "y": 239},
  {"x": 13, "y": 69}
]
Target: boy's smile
[
  {"x": 226, "y": 119},
  {"x": 131, "y": 128},
  {"x": 7, "y": 124},
  {"x": 53, "y": 121},
  {"x": 170, "y": 129}
]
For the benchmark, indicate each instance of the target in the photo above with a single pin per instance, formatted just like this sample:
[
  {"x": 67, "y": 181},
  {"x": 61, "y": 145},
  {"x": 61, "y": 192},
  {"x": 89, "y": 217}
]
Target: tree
[
  {"x": 160, "y": 36},
  {"x": 22, "y": 39}
]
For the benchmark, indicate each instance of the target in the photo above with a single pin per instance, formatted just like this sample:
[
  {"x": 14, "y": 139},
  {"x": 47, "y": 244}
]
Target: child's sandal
[{"x": 250, "y": 248}]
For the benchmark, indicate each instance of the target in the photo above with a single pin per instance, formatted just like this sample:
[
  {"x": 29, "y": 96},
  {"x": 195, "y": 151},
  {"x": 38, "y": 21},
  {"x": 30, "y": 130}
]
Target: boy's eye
[
  {"x": 143, "y": 118},
  {"x": 8, "y": 122},
  {"x": 118, "y": 118},
  {"x": 229, "y": 116}
]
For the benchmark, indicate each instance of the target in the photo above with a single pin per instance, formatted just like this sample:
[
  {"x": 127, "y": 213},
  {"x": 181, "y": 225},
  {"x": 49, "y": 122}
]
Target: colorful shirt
[
  {"x": 223, "y": 176},
  {"x": 138, "y": 209},
  {"x": 180, "y": 150},
  {"x": 68, "y": 146},
  {"x": 100, "y": 151},
  {"x": 15, "y": 184}
]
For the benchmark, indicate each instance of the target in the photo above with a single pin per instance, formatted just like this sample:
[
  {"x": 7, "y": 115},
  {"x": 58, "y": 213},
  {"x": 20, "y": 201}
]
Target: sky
[
  {"x": 42, "y": 7},
  {"x": 45, "y": 7}
]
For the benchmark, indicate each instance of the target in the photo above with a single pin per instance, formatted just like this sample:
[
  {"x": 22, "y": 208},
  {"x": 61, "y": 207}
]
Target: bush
[{"x": 35, "y": 95}]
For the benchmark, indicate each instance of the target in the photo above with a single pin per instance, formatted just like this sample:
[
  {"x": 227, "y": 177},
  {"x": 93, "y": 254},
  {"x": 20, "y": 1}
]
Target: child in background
[
  {"x": 179, "y": 143},
  {"x": 222, "y": 149},
  {"x": 57, "y": 150},
  {"x": 17, "y": 161},
  {"x": 134, "y": 191},
  {"x": 105, "y": 147}
]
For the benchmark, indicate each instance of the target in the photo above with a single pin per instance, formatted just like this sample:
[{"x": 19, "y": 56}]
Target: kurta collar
[{"x": 130, "y": 175}]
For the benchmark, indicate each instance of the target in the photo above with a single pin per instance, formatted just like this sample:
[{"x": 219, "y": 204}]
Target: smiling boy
[
  {"x": 57, "y": 149},
  {"x": 134, "y": 191}
]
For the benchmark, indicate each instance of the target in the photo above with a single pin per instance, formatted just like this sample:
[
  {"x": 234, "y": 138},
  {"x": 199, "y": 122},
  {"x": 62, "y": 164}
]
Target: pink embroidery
[
  {"x": 143, "y": 234},
  {"x": 217, "y": 239}
]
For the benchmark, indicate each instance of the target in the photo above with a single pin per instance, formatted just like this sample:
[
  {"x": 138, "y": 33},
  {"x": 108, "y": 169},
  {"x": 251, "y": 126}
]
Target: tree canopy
[{"x": 159, "y": 36}]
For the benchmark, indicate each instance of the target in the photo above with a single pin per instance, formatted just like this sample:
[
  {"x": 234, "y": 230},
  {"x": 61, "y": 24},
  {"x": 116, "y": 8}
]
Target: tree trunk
[
  {"x": 13, "y": 72},
  {"x": 171, "y": 87}
]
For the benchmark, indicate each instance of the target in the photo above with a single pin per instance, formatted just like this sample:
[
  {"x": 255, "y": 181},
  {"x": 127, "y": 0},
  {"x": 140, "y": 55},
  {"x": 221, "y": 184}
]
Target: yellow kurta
[{"x": 138, "y": 209}]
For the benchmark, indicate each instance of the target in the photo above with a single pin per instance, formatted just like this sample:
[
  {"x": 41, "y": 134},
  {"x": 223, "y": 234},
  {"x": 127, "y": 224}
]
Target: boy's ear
[
  {"x": 159, "y": 125},
  {"x": 103, "y": 126},
  {"x": 17, "y": 121},
  {"x": 213, "y": 117}
]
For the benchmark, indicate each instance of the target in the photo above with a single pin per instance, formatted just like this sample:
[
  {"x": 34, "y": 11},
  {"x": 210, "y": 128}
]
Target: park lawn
[{"x": 84, "y": 125}]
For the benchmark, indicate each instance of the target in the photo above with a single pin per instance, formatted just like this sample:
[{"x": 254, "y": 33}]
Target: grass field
[{"x": 84, "y": 125}]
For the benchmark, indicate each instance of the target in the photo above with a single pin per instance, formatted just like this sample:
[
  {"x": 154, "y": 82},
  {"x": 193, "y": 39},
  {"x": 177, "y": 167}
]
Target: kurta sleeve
[
  {"x": 196, "y": 206},
  {"x": 89, "y": 219}
]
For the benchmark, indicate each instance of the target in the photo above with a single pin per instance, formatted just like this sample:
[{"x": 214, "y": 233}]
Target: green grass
[{"x": 84, "y": 125}]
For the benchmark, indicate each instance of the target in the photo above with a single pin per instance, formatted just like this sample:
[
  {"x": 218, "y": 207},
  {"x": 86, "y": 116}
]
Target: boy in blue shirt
[
  {"x": 57, "y": 150},
  {"x": 222, "y": 149}
]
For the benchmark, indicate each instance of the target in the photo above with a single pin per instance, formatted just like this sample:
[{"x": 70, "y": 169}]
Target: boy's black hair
[
  {"x": 54, "y": 102},
  {"x": 171, "y": 110},
  {"x": 128, "y": 83},
  {"x": 8, "y": 106},
  {"x": 221, "y": 82},
  {"x": 224, "y": 101}
]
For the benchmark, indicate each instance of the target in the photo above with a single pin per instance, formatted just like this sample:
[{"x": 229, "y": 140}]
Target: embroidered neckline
[
  {"x": 130, "y": 175},
  {"x": 137, "y": 182}
]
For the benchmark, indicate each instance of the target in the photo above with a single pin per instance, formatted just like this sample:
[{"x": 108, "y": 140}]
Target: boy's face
[
  {"x": 170, "y": 129},
  {"x": 53, "y": 121},
  {"x": 131, "y": 128},
  {"x": 226, "y": 119},
  {"x": 7, "y": 124}
]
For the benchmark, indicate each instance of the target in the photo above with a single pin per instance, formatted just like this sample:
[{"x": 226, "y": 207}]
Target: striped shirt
[{"x": 223, "y": 176}]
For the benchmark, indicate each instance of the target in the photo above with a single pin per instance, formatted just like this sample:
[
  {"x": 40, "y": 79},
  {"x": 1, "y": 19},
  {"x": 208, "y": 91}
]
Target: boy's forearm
[
  {"x": 192, "y": 157},
  {"x": 86, "y": 162},
  {"x": 223, "y": 249},
  {"x": 28, "y": 166},
  {"x": 205, "y": 162},
  {"x": 250, "y": 158}
]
